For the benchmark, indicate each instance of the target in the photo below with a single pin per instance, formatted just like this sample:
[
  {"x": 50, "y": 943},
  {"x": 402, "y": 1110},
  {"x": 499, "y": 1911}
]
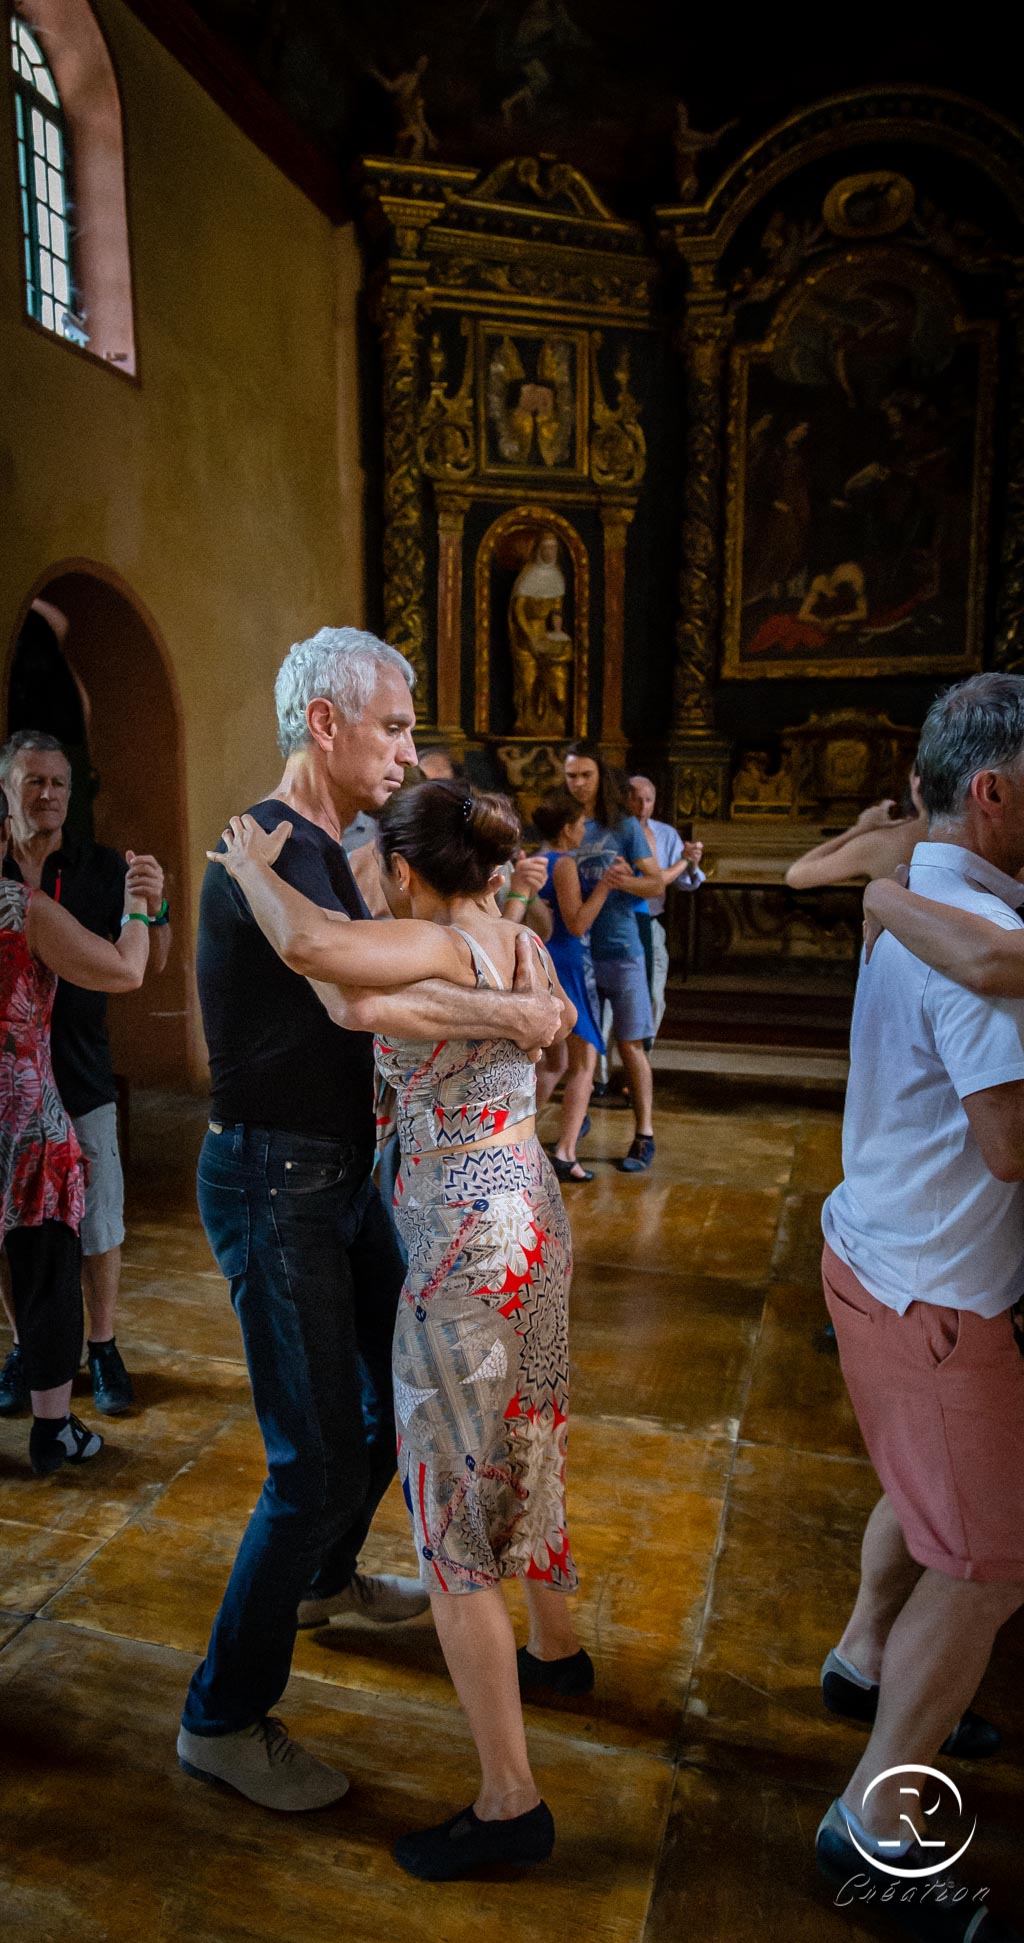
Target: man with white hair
[
  {"x": 679, "y": 863},
  {"x": 296, "y": 1223}
]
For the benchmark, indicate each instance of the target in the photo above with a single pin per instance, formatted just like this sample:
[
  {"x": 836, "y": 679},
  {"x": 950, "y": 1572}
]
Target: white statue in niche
[{"x": 542, "y": 651}]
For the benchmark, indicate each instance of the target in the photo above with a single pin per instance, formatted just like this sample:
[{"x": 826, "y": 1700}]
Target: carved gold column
[
  {"x": 1009, "y": 647},
  {"x": 451, "y": 517},
  {"x": 700, "y": 761},
  {"x": 398, "y": 311},
  {"x": 616, "y": 519}
]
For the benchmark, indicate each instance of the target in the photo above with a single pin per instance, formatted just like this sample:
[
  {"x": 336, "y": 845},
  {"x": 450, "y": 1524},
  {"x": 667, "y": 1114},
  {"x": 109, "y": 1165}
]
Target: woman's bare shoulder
[{"x": 498, "y": 938}]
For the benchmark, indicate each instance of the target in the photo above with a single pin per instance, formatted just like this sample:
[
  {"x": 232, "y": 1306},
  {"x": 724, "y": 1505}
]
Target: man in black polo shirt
[
  {"x": 296, "y": 1223},
  {"x": 88, "y": 879}
]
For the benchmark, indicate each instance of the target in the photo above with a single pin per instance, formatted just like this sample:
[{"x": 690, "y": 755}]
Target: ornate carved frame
[{"x": 531, "y": 515}]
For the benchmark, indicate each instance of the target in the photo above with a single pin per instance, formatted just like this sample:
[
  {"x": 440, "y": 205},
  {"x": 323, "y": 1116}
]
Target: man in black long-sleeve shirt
[{"x": 295, "y": 1221}]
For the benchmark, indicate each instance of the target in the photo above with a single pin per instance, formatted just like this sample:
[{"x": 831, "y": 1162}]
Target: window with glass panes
[{"x": 43, "y": 184}]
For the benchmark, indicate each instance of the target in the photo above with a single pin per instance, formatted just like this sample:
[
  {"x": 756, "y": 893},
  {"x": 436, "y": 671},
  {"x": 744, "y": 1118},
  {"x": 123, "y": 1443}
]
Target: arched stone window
[{"x": 74, "y": 214}]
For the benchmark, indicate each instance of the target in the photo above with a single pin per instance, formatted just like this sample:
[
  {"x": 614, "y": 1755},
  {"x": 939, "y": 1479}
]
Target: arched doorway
[{"x": 135, "y": 746}]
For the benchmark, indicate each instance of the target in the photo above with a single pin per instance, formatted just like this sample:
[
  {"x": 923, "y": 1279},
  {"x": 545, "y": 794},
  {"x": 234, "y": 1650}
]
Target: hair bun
[{"x": 494, "y": 826}]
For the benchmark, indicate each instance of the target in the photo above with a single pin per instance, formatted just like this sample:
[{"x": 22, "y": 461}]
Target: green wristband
[
  {"x": 516, "y": 894},
  {"x": 163, "y": 915},
  {"x": 139, "y": 916}
]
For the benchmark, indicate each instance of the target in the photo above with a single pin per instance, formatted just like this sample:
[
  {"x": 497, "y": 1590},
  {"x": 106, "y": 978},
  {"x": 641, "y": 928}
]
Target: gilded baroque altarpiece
[
  {"x": 510, "y": 307},
  {"x": 846, "y": 461}
]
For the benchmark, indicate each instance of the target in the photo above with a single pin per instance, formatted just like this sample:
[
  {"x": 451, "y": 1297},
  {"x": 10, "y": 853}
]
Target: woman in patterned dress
[
  {"x": 481, "y": 1347},
  {"x": 42, "y": 1188}
]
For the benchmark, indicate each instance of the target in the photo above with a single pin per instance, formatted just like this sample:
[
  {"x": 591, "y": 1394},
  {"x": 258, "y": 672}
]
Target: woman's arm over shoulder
[
  {"x": 987, "y": 958},
  {"x": 67, "y": 948},
  {"x": 867, "y": 854}
]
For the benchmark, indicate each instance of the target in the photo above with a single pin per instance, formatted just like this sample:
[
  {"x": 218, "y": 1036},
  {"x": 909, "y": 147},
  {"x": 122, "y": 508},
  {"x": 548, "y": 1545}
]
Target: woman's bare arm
[
  {"x": 642, "y": 879},
  {"x": 75, "y": 954},
  {"x": 969, "y": 949},
  {"x": 356, "y": 969},
  {"x": 866, "y": 853},
  {"x": 311, "y": 941},
  {"x": 529, "y": 1015},
  {"x": 578, "y": 913}
]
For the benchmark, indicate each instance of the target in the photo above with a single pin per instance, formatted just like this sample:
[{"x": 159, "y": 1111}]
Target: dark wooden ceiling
[{"x": 594, "y": 82}]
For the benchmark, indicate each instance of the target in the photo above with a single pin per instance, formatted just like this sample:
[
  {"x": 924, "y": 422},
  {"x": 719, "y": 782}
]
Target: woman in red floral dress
[{"x": 41, "y": 1177}]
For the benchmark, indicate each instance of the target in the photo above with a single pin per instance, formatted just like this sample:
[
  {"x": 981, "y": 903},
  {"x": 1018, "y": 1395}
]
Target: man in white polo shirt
[{"x": 923, "y": 1263}]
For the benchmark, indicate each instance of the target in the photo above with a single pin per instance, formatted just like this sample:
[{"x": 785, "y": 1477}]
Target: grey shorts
[
  {"x": 623, "y": 982},
  {"x": 103, "y": 1223}
]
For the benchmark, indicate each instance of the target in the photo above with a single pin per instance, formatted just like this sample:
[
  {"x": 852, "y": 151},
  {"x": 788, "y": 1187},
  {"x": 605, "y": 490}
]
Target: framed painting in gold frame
[{"x": 858, "y": 477}]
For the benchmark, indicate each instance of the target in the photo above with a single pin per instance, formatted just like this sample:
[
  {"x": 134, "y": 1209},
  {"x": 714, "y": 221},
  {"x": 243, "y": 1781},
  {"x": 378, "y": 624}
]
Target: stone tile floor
[{"x": 718, "y": 1489}]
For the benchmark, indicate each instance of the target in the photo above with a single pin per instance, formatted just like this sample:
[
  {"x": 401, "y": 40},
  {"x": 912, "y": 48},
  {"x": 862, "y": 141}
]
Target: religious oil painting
[
  {"x": 532, "y": 400},
  {"x": 858, "y": 480}
]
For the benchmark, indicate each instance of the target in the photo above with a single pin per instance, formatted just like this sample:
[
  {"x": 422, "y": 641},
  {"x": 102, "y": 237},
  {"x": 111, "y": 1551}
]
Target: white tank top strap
[
  {"x": 482, "y": 964},
  {"x": 545, "y": 959}
]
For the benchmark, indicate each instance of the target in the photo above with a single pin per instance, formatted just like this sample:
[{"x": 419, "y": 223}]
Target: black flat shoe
[
  {"x": 973, "y": 1738},
  {"x": 464, "y": 1844},
  {"x": 574, "y": 1674},
  {"x": 565, "y": 1169},
  {"x": 112, "y": 1391}
]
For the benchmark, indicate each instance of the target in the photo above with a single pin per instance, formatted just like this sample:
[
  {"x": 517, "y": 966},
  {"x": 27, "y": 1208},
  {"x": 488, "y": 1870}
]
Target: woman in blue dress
[{"x": 561, "y": 823}]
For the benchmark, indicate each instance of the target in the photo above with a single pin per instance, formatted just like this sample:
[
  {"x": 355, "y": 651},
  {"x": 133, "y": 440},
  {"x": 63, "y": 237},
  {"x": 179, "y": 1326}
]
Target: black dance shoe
[
  {"x": 574, "y": 1674},
  {"x": 973, "y": 1738},
  {"x": 111, "y": 1384},
  {"x": 73, "y": 1444},
  {"x": 564, "y": 1170},
  {"x": 938, "y": 1911},
  {"x": 464, "y": 1844}
]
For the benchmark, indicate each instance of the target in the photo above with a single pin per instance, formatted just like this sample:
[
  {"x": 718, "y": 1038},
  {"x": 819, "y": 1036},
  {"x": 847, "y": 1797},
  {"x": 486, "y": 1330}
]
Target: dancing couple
[{"x": 290, "y": 990}]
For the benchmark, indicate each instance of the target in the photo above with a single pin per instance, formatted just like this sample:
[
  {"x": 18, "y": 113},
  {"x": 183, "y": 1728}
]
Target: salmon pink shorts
[{"x": 939, "y": 1397}]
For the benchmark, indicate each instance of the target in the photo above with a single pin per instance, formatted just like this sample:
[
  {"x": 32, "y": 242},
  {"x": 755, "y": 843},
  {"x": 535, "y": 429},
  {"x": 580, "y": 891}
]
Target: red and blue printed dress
[
  {"x": 41, "y": 1176},
  {"x": 481, "y": 1350}
]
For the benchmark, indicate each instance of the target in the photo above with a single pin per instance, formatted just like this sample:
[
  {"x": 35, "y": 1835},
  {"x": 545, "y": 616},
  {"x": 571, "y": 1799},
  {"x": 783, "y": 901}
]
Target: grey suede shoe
[
  {"x": 384, "y": 1600},
  {"x": 263, "y": 1763}
]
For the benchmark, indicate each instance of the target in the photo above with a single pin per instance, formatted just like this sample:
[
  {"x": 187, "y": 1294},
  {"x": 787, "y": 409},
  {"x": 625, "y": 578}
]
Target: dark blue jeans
[{"x": 299, "y": 1230}]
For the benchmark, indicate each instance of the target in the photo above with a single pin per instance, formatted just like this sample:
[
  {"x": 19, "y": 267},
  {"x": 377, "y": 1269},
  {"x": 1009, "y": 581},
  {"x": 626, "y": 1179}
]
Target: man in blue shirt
[{"x": 679, "y": 864}]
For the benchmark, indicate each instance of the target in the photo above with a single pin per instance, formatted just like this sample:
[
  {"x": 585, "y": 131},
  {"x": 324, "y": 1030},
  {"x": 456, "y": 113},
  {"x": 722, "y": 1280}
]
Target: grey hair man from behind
[
  {"x": 974, "y": 728},
  {"x": 295, "y": 1220}
]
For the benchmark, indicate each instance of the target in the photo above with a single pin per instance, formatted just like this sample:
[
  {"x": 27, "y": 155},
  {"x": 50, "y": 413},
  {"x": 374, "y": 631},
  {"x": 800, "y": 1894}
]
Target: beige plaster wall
[{"x": 223, "y": 487}]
